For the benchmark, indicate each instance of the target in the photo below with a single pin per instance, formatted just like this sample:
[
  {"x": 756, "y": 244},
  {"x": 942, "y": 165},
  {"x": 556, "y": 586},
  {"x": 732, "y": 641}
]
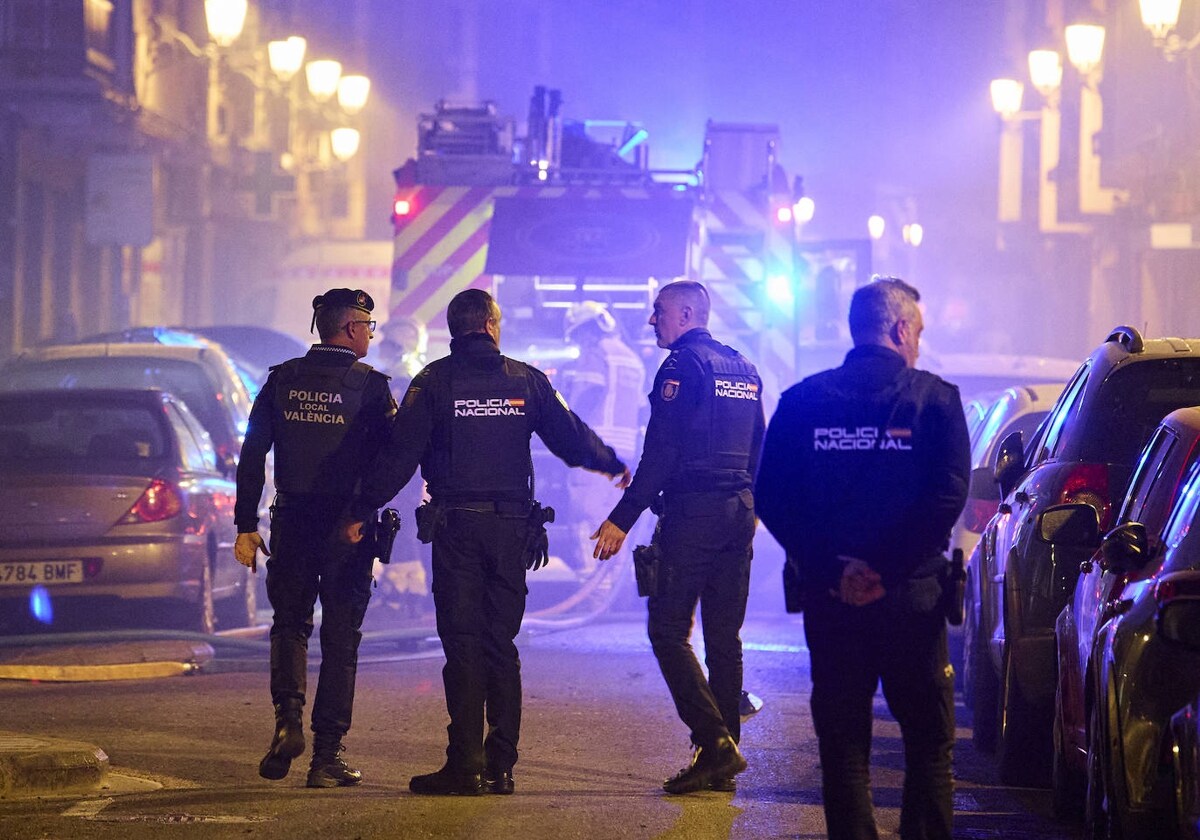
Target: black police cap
[{"x": 339, "y": 299}]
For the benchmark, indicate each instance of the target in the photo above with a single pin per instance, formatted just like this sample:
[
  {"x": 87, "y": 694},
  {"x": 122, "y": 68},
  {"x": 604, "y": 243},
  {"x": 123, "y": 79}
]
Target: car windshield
[
  {"x": 1131, "y": 403},
  {"x": 88, "y": 435},
  {"x": 186, "y": 380}
]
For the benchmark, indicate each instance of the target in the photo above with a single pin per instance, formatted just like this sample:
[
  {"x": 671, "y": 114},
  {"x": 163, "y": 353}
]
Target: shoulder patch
[
  {"x": 410, "y": 396},
  {"x": 670, "y": 389}
]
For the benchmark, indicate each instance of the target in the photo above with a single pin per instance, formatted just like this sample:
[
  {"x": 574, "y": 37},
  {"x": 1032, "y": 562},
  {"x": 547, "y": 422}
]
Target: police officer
[
  {"x": 605, "y": 387},
  {"x": 326, "y": 414},
  {"x": 701, "y": 451},
  {"x": 467, "y": 420},
  {"x": 865, "y": 468}
]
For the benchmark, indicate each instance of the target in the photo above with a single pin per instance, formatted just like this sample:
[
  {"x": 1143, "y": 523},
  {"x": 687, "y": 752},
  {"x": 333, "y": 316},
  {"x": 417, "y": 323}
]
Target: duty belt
[
  {"x": 287, "y": 501},
  {"x": 516, "y": 510}
]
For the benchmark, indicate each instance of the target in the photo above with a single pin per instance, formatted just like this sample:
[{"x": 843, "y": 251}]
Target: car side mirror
[
  {"x": 1069, "y": 526},
  {"x": 1125, "y": 548},
  {"x": 1010, "y": 463}
]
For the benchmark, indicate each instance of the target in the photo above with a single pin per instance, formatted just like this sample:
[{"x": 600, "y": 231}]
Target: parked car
[
  {"x": 1083, "y": 452},
  {"x": 1169, "y": 458},
  {"x": 117, "y": 495},
  {"x": 200, "y": 375},
  {"x": 1019, "y": 409},
  {"x": 1144, "y": 668},
  {"x": 252, "y": 349},
  {"x": 1185, "y": 769}
]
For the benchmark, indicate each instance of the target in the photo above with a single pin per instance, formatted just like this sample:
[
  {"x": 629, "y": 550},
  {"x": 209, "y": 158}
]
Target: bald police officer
[
  {"x": 864, "y": 470},
  {"x": 326, "y": 414},
  {"x": 467, "y": 420},
  {"x": 701, "y": 452}
]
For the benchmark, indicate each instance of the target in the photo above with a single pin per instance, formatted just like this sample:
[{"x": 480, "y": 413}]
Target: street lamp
[
  {"x": 1006, "y": 97},
  {"x": 225, "y": 20},
  {"x": 323, "y": 76},
  {"x": 286, "y": 57},
  {"x": 1085, "y": 47},
  {"x": 1160, "y": 17},
  {"x": 876, "y": 226},
  {"x": 804, "y": 209},
  {"x": 352, "y": 93},
  {"x": 344, "y": 142}
]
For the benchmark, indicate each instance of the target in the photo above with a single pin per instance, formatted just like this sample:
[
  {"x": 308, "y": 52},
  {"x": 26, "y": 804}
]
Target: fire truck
[{"x": 572, "y": 211}]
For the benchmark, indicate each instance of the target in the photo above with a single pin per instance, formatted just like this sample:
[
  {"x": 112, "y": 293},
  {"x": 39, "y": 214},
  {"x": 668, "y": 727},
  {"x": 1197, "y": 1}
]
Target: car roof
[
  {"x": 121, "y": 349},
  {"x": 144, "y": 396}
]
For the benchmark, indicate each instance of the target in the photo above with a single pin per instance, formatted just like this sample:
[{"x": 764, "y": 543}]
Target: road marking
[{"x": 88, "y": 808}]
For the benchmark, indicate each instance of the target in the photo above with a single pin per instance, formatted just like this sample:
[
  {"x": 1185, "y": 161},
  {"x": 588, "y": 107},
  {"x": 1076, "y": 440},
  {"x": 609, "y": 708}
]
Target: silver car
[{"x": 116, "y": 495}]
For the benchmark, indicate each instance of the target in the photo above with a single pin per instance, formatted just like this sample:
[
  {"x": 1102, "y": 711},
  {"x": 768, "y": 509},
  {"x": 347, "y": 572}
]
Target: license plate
[{"x": 44, "y": 572}]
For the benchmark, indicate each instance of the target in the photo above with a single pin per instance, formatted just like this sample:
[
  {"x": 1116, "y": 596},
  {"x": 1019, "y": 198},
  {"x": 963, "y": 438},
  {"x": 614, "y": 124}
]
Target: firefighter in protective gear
[
  {"x": 326, "y": 414},
  {"x": 467, "y": 420},
  {"x": 604, "y": 386},
  {"x": 864, "y": 470},
  {"x": 701, "y": 452}
]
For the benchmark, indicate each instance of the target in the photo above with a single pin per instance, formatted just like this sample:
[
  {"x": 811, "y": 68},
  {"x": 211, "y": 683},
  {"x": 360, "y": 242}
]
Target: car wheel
[
  {"x": 972, "y": 646},
  {"x": 241, "y": 608},
  {"x": 1097, "y": 821},
  {"x": 984, "y": 690},
  {"x": 204, "y": 612},
  {"x": 1067, "y": 787},
  {"x": 1021, "y": 736}
]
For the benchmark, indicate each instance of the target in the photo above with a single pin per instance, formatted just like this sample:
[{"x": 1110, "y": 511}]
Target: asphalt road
[{"x": 599, "y": 736}]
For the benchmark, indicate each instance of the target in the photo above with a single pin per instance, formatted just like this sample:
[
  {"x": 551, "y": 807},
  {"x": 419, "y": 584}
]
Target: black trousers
[
  {"x": 479, "y": 593},
  {"x": 309, "y": 561},
  {"x": 901, "y": 642},
  {"x": 706, "y": 540}
]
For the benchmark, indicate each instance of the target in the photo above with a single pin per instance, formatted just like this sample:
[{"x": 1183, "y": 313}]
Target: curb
[
  {"x": 119, "y": 661},
  {"x": 31, "y": 765}
]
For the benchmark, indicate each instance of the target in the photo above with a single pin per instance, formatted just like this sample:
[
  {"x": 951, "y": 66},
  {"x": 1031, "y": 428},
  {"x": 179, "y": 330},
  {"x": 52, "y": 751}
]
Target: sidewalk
[{"x": 36, "y": 765}]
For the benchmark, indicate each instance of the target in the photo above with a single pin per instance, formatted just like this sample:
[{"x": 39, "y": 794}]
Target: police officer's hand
[
  {"x": 352, "y": 532},
  {"x": 859, "y": 585},
  {"x": 609, "y": 539},
  {"x": 623, "y": 479},
  {"x": 245, "y": 549}
]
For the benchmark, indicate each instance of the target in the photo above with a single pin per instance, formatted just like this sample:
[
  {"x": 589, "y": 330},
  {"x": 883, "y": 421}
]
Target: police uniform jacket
[
  {"x": 705, "y": 430},
  {"x": 327, "y": 415},
  {"x": 868, "y": 460},
  {"x": 467, "y": 420}
]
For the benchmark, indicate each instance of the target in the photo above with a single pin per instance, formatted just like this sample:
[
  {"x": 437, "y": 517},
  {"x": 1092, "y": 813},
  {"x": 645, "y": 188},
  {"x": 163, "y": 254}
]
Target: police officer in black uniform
[
  {"x": 467, "y": 420},
  {"x": 326, "y": 414},
  {"x": 864, "y": 471},
  {"x": 701, "y": 452}
]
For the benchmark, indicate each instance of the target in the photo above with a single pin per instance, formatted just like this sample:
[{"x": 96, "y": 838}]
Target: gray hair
[
  {"x": 877, "y": 306},
  {"x": 692, "y": 294}
]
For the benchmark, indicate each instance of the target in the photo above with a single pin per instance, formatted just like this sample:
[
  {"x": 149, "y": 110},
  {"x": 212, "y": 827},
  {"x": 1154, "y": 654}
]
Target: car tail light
[
  {"x": 160, "y": 501},
  {"x": 1170, "y": 588},
  {"x": 92, "y": 567},
  {"x": 1088, "y": 484},
  {"x": 978, "y": 513}
]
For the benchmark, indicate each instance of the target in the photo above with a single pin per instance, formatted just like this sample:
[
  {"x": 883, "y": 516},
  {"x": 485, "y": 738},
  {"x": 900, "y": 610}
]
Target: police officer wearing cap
[
  {"x": 701, "y": 452},
  {"x": 467, "y": 420},
  {"x": 326, "y": 414},
  {"x": 864, "y": 470}
]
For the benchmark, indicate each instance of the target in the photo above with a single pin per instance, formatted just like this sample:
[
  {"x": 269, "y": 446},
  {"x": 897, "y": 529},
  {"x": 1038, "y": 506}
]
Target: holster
[
  {"x": 386, "y": 528},
  {"x": 537, "y": 540},
  {"x": 954, "y": 588},
  {"x": 430, "y": 518},
  {"x": 647, "y": 561}
]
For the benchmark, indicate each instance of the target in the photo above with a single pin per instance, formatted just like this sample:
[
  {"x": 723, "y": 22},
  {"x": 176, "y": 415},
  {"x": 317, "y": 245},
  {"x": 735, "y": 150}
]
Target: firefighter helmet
[{"x": 588, "y": 312}]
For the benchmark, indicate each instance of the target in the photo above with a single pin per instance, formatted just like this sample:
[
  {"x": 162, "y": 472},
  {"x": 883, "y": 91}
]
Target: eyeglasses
[{"x": 370, "y": 324}]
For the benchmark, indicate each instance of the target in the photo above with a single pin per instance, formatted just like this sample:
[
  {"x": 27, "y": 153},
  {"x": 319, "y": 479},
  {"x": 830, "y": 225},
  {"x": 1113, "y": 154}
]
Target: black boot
[
  {"x": 287, "y": 743},
  {"x": 715, "y": 764},
  {"x": 328, "y": 769}
]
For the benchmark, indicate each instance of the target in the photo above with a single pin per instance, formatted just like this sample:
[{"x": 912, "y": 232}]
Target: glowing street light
[
  {"x": 876, "y": 225},
  {"x": 914, "y": 234},
  {"x": 323, "y": 76},
  {"x": 1046, "y": 72},
  {"x": 352, "y": 93},
  {"x": 804, "y": 209},
  {"x": 1160, "y": 17},
  {"x": 344, "y": 142},
  {"x": 1085, "y": 46},
  {"x": 287, "y": 57},
  {"x": 1006, "y": 97},
  {"x": 225, "y": 20}
]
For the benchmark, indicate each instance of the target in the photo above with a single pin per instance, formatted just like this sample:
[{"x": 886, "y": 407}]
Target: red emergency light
[
  {"x": 783, "y": 215},
  {"x": 401, "y": 208}
]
